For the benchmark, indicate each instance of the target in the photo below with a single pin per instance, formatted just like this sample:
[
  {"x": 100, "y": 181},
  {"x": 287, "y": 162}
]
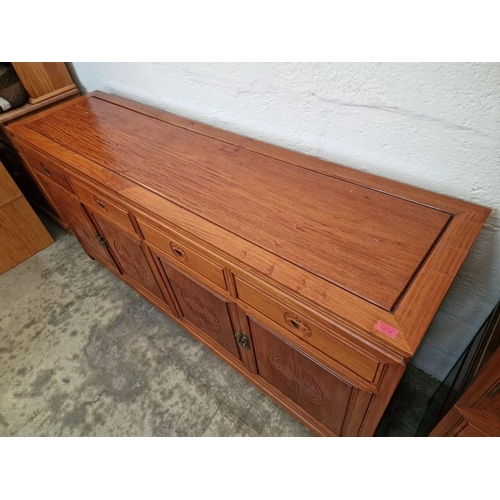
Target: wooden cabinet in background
[
  {"x": 45, "y": 80},
  {"x": 473, "y": 387},
  {"x": 314, "y": 281},
  {"x": 477, "y": 412},
  {"x": 22, "y": 234},
  {"x": 47, "y": 83}
]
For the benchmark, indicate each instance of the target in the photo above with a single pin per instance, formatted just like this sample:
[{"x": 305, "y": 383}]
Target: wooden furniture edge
[
  {"x": 332, "y": 169},
  {"x": 58, "y": 92},
  {"x": 147, "y": 202},
  {"x": 19, "y": 113},
  {"x": 412, "y": 326},
  {"x": 417, "y": 308},
  {"x": 348, "y": 174}
]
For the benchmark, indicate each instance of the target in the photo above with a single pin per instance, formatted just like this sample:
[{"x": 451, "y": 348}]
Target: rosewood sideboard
[{"x": 314, "y": 281}]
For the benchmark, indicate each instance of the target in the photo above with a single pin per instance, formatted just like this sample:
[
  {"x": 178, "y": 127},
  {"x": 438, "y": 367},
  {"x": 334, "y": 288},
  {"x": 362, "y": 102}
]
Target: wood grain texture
[
  {"x": 29, "y": 108},
  {"x": 21, "y": 232},
  {"x": 307, "y": 330},
  {"x": 315, "y": 253},
  {"x": 44, "y": 80},
  {"x": 79, "y": 221},
  {"x": 8, "y": 188},
  {"x": 127, "y": 252},
  {"x": 366, "y": 242},
  {"x": 47, "y": 168},
  {"x": 203, "y": 309},
  {"x": 183, "y": 255},
  {"x": 102, "y": 205},
  {"x": 305, "y": 382},
  {"x": 362, "y": 316}
]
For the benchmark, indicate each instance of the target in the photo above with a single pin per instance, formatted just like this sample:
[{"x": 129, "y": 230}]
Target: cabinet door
[
  {"x": 81, "y": 225},
  {"x": 313, "y": 387},
  {"x": 129, "y": 255},
  {"x": 203, "y": 309}
]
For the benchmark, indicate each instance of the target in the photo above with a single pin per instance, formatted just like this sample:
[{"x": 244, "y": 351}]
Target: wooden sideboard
[{"x": 314, "y": 281}]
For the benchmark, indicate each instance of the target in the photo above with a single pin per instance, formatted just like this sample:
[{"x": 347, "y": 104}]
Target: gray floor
[{"x": 81, "y": 354}]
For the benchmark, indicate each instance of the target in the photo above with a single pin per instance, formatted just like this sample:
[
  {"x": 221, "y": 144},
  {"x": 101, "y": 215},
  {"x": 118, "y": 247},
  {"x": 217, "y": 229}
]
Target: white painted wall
[{"x": 436, "y": 126}]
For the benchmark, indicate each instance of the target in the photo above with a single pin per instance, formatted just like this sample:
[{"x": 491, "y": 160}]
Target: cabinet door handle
[{"x": 242, "y": 340}]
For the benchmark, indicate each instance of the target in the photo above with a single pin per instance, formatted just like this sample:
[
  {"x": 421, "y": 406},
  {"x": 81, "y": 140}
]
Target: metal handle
[
  {"x": 242, "y": 340},
  {"x": 100, "y": 239}
]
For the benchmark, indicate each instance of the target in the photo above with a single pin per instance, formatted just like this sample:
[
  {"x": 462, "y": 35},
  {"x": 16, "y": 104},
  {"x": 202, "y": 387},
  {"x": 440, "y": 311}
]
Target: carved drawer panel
[
  {"x": 297, "y": 323},
  {"x": 184, "y": 256},
  {"x": 46, "y": 167},
  {"x": 100, "y": 204}
]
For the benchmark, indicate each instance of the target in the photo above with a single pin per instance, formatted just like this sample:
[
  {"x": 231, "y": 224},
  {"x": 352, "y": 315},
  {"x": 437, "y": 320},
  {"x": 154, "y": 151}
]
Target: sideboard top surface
[
  {"x": 367, "y": 242},
  {"x": 390, "y": 245}
]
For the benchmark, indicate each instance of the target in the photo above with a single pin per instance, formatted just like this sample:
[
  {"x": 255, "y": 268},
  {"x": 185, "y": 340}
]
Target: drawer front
[
  {"x": 100, "y": 204},
  {"x": 301, "y": 326},
  {"x": 47, "y": 168},
  {"x": 184, "y": 256}
]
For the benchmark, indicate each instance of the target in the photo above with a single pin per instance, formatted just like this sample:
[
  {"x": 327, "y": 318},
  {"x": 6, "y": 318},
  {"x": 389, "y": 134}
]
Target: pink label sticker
[{"x": 386, "y": 329}]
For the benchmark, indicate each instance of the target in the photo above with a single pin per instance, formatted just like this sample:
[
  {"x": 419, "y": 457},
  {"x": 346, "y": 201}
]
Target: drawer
[
  {"x": 100, "y": 204},
  {"x": 184, "y": 256},
  {"x": 301, "y": 326},
  {"x": 46, "y": 167}
]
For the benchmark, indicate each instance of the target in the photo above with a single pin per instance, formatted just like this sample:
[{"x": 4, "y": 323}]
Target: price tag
[{"x": 386, "y": 329}]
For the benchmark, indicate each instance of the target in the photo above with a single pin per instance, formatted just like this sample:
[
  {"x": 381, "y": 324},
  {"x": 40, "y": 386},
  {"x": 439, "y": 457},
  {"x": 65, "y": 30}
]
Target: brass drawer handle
[
  {"x": 45, "y": 169},
  {"x": 298, "y": 324},
  {"x": 178, "y": 251}
]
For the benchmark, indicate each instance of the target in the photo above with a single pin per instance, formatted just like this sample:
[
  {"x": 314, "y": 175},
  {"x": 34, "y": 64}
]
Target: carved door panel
[
  {"x": 129, "y": 255},
  {"x": 307, "y": 383},
  {"x": 203, "y": 309},
  {"x": 82, "y": 227}
]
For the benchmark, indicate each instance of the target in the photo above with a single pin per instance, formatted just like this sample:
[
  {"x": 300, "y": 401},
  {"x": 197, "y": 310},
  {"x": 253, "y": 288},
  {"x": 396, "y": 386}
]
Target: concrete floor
[{"x": 82, "y": 354}]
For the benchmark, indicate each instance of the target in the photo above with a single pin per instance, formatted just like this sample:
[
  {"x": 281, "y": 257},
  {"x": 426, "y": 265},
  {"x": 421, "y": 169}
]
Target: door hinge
[
  {"x": 101, "y": 240},
  {"x": 242, "y": 340}
]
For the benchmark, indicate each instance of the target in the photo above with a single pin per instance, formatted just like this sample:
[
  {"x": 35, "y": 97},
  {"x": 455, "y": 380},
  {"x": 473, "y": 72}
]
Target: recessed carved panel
[
  {"x": 198, "y": 307},
  {"x": 296, "y": 378},
  {"x": 137, "y": 265}
]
